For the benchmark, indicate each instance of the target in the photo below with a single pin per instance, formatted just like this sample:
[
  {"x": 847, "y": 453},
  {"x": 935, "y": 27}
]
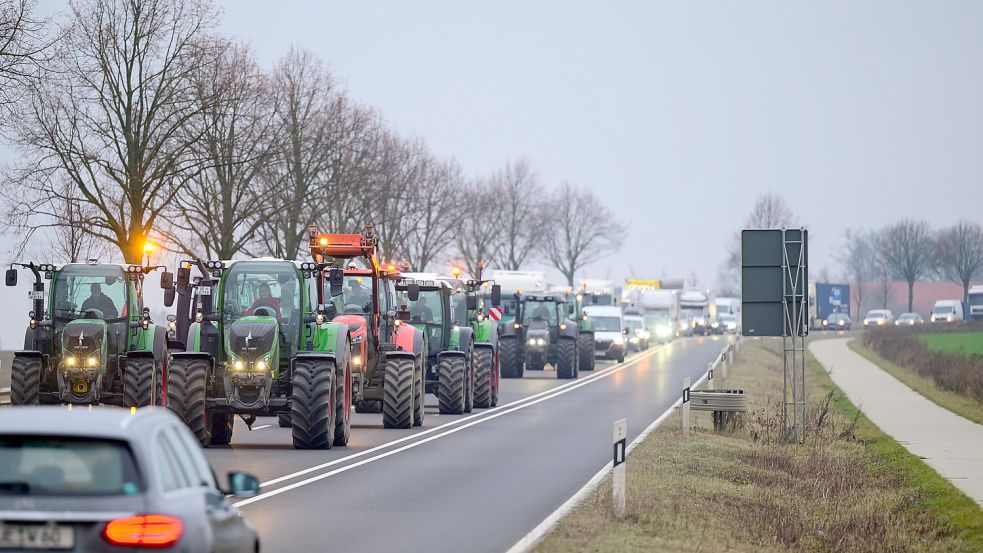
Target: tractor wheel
[
  {"x": 419, "y": 394},
  {"x": 566, "y": 359},
  {"x": 221, "y": 428},
  {"x": 368, "y": 406},
  {"x": 186, "y": 395},
  {"x": 343, "y": 404},
  {"x": 398, "y": 393},
  {"x": 311, "y": 409},
  {"x": 585, "y": 343},
  {"x": 451, "y": 384},
  {"x": 139, "y": 382},
  {"x": 483, "y": 377},
  {"x": 283, "y": 419},
  {"x": 25, "y": 381},
  {"x": 508, "y": 356},
  {"x": 496, "y": 378},
  {"x": 469, "y": 382}
]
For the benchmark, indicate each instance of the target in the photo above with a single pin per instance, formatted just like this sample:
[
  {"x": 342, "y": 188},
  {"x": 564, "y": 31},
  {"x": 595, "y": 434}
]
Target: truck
[
  {"x": 728, "y": 314},
  {"x": 699, "y": 309},
  {"x": 516, "y": 282},
  {"x": 660, "y": 311},
  {"x": 828, "y": 300},
  {"x": 598, "y": 291},
  {"x": 976, "y": 303}
]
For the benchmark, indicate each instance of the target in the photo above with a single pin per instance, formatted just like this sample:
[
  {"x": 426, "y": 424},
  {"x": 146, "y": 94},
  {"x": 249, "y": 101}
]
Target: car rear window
[{"x": 51, "y": 465}]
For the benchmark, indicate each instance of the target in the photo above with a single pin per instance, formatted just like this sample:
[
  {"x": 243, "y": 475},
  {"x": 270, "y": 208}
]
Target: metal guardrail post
[{"x": 685, "y": 407}]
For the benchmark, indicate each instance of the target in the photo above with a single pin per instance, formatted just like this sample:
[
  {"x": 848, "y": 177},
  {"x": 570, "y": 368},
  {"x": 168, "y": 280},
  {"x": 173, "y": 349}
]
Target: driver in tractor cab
[
  {"x": 421, "y": 311},
  {"x": 101, "y": 302},
  {"x": 265, "y": 299},
  {"x": 542, "y": 313},
  {"x": 359, "y": 295}
]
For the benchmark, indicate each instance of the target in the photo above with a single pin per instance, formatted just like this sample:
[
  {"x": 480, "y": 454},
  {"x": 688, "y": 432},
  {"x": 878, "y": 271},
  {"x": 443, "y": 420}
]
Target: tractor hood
[
  {"x": 252, "y": 338},
  {"x": 82, "y": 342}
]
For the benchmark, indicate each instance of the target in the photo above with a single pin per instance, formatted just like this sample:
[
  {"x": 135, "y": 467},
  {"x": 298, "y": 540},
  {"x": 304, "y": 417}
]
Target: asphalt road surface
[{"x": 475, "y": 482}]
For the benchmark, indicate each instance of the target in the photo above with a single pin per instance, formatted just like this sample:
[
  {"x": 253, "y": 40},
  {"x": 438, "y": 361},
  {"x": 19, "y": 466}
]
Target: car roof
[{"x": 82, "y": 421}]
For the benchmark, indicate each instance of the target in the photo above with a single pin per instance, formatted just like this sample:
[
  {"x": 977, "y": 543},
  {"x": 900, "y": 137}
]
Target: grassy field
[
  {"x": 850, "y": 488},
  {"x": 968, "y": 343},
  {"x": 959, "y": 404}
]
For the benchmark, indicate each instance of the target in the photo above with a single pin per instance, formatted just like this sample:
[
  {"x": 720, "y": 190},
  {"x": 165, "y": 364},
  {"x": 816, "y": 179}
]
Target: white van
[
  {"x": 947, "y": 311},
  {"x": 610, "y": 332}
]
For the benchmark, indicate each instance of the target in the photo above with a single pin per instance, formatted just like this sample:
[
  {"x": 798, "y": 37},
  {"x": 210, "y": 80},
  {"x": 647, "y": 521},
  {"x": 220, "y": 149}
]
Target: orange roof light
[
  {"x": 391, "y": 268},
  {"x": 148, "y": 247},
  {"x": 456, "y": 271},
  {"x": 323, "y": 241}
]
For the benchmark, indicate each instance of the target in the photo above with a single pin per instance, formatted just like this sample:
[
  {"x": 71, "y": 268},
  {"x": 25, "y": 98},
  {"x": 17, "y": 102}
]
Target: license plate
[
  {"x": 204, "y": 290},
  {"x": 37, "y": 295},
  {"x": 36, "y": 536}
]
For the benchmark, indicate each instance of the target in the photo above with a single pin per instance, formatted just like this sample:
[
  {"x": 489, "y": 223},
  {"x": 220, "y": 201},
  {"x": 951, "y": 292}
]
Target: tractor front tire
[
  {"x": 343, "y": 401},
  {"x": 283, "y": 420},
  {"x": 469, "y": 382},
  {"x": 312, "y": 413},
  {"x": 398, "y": 393},
  {"x": 139, "y": 384},
  {"x": 483, "y": 380},
  {"x": 25, "y": 381},
  {"x": 186, "y": 396},
  {"x": 566, "y": 359},
  {"x": 419, "y": 393},
  {"x": 221, "y": 428},
  {"x": 585, "y": 347},
  {"x": 508, "y": 355},
  {"x": 451, "y": 384}
]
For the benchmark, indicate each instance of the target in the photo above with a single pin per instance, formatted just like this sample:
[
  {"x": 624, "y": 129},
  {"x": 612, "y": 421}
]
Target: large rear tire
[
  {"x": 508, "y": 355},
  {"x": 496, "y": 379},
  {"x": 139, "y": 384},
  {"x": 221, "y": 428},
  {"x": 186, "y": 395},
  {"x": 25, "y": 381},
  {"x": 283, "y": 420},
  {"x": 469, "y": 382},
  {"x": 343, "y": 404},
  {"x": 566, "y": 359},
  {"x": 398, "y": 393},
  {"x": 585, "y": 348},
  {"x": 451, "y": 384},
  {"x": 312, "y": 411},
  {"x": 483, "y": 378},
  {"x": 419, "y": 394}
]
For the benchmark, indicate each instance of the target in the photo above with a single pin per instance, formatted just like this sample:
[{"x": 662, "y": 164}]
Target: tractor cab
[{"x": 429, "y": 309}]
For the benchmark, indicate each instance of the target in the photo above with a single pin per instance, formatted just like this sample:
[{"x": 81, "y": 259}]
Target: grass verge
[
  {"x": 966, "y": 343},
  {"x": 959, "y": 404},
  {"x": 849, "y": 488}
]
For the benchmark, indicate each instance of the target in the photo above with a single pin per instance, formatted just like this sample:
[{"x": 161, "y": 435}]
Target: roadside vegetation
[
  {"x": 849, "y": 488},
  {"x": 966, "y": 343}
]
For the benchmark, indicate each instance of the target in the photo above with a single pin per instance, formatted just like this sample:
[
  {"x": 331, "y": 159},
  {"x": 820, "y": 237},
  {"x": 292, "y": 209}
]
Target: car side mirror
[
  {"x": 413, "y": 291},
  {"x": 624, "y": 331},
  {"x": 496, "y": 299},
  {"x": 243, "y": 484},
  {"x": 11, "y": 277},
  {"x": 336, "y": 282},
  {"x": 472, "y": 303},
  {"x": 169, "y": 297},
  {"x": 166, "y": 280}
]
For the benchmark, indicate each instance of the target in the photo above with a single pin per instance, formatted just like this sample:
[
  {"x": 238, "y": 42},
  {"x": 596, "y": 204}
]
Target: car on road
[
  {"x": 728, "y": 323},
  {"x": 105, "y": 479},
  {"x": 909, "y": 319},
  {"x": 638, "y": 336},
  {"x": 878, "y": 317},
  {"x": 947, "y": 311},
  {"x": 610, "y": 332},
  {"x": 837, "y": 321}
]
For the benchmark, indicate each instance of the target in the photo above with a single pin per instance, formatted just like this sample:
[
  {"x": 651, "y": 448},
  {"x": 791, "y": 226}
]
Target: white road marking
[
  {"x": 488, "y": 415},
  {"x": 445, "y": 426},
  {"x": 262, "y": 426}
]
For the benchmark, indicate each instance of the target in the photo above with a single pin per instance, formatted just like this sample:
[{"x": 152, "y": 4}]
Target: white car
[
  {"x": 947, "y": 311},
  {"x": 878, "y": 317}
]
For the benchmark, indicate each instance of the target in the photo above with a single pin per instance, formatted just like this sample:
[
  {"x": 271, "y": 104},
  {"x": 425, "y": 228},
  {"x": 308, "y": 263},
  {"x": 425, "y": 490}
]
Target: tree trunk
[{"x": 911, "y": 294}]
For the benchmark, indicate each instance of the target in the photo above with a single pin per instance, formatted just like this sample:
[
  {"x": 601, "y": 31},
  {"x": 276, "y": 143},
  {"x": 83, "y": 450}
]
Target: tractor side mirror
[
  {"x": 624, "y": 331},
  {"x": 472, "y": 303},
  {"x": 166, "y": 280},
  {"x": 11, "y": 277},
  {"x": 183, "y": 276},
  {"x": 336, "y": 281},
  {"x": 413, "y": 291},
  {"x": 496, "y": 299},
  {"x": 169, "y": 297}
]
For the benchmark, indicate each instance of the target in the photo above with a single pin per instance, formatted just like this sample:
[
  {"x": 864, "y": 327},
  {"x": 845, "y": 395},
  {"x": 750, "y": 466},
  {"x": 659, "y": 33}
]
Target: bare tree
[
  {"x": 519, "y": 201},
  {"x": 769, "y": 211},
  {"x": 479, "y": 239},
  {"x": 23, "y": 50},
  {"x": 399, "y": 165},
  {"x": 583, "y": 230},
  {"x": 223, "y": 206},
  {"x": 959, "y": 254},
  {"x": 858, "y": 261},
  {"x": 111, "y": 118},
  {"x": 907, "y": 250},
  {"x": 432, "y": 219}
]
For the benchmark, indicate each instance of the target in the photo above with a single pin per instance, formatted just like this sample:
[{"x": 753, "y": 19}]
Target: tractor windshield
[
  {"x": 459, "y": 307},
  {"x": 89, "y": 292},
  {"x": 264, "y": 288},
  {"x": 539, "y": 310}
]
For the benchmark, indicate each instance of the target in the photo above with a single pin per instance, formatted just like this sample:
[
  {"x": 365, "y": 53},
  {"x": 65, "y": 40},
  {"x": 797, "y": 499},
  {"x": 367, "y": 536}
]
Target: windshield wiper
[{"x": 16, "y": 488}]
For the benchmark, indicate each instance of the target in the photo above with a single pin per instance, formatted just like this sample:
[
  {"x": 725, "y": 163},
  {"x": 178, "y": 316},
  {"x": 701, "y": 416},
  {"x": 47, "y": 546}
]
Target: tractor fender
[
  {"x": 28, "y": 354},
  {"x": 571, "y": 329},
  {"x": 408, "y": 338},
  {"x": 508, "y": 329},
  {"x": 465, "y": 339},
  {"x": 485, "y": 345},
  {"x": 332, "y": 337},
  {"x": 342, "y": 345},
  {"x": 452, "y": 353},
  {"x": 314, "y": 356}
]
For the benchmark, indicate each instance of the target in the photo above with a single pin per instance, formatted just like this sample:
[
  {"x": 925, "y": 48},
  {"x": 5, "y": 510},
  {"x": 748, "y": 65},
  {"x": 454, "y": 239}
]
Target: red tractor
[{"x": 389, "y": 357}]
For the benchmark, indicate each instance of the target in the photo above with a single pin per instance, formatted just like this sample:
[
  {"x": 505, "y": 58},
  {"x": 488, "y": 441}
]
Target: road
[{"x": 478, "y": 482}]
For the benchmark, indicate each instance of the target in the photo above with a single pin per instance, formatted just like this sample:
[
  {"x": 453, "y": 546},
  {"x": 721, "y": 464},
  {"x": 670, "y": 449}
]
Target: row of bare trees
[
  {"x": 911, "y": 250},
  {"x": 135, "y": 120}
]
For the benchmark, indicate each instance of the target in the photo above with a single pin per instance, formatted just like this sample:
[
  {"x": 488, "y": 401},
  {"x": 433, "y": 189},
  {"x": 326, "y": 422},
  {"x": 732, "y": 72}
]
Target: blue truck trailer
[{"x": 831, "y": 299}]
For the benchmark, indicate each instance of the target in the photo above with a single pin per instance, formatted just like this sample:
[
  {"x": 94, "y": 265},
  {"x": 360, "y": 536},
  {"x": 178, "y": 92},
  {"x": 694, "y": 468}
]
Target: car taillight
[{"x": 150, "y": 531}]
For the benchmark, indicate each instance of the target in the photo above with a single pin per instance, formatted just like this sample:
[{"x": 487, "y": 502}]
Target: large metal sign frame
[{"x": 795, "y": 307}]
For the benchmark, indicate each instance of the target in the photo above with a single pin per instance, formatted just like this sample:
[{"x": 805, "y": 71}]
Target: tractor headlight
[
  {"x": 358, "y": 339},
  {"x": 262, "y": 365},
  {"x": 238, "y": 365},
  {"x": 70, "y": 361},
  {"x": 825, "y": 323},
  {"x": 516, "y": 326},
  {"x": 731, "y": 326},
  {"x": 563, "y": 326},
  {"x": 93, "y": 361}
]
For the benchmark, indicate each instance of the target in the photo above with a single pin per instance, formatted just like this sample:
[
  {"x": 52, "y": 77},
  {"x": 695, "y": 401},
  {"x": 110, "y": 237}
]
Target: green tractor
[
  {"x": 585, "y": 338},
  {"x": 95, "y": 342},
  {"x": 540, "y": 333},
  {"x": 452, "y": 355},
  {"x": 259, "y": 343}
]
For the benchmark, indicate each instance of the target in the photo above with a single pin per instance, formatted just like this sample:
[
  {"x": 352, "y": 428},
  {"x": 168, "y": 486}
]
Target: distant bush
[{"x": 957, "y": 372}]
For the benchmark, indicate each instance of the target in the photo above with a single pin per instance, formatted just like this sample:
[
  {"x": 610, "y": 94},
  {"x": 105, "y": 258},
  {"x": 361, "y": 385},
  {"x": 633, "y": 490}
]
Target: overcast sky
[{"x": 676, "y": 114}]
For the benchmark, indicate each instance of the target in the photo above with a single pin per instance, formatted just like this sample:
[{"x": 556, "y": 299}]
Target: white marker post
[
  {"x": 685, "y": 407},
  {"x": 618, "y": 478},
  {"x": 709, "y": 376}
]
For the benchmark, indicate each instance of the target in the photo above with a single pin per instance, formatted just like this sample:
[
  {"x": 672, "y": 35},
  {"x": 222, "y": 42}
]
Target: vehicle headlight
[
  {"x": 949, "y": 318},
  {"x": 842, "y": 323},
  {"x": 825, "y": 323},
  {"x": 93, "y": 361},
  {"x": 663, "y": 331},
  {"x": 319, "y": 318},
  {"x": 261, "y": 365},
  {"x": 70, "y": 361},
  {"x": 714, "y": 324},
  {"x": 238, "y": 365},
  {"x": 516, "y": 326},
  {"x": 634, "y": 339},
  {"x": 731, "y": 326},
  {"x": 358, "y": 339},
  {"x": 619, "y": 340},
  {"x": 881, "y": 321}
]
